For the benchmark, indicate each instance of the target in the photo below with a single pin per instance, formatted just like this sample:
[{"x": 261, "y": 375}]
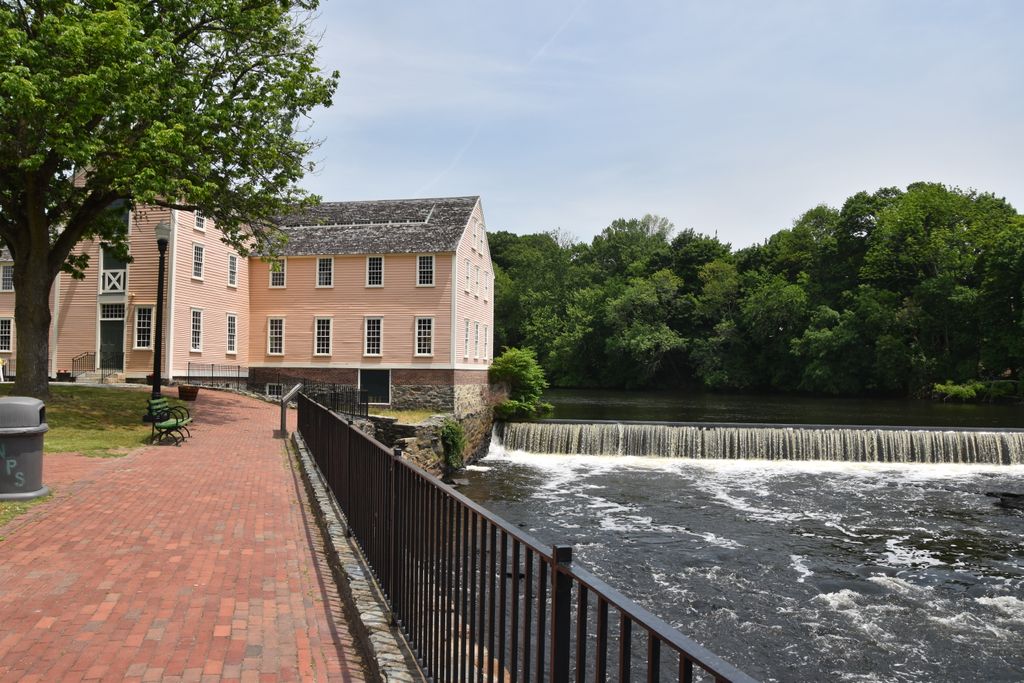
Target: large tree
[{"x": 103, "y": 103}]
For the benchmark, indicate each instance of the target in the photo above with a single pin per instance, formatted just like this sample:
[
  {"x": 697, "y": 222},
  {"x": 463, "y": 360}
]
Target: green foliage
[
  {"x": 453, "y": 440},
  {"x": 967, "y": 391},
  {"x": 889, "y": 294},
  {"x": 107, "y": 106},
  {"x": 519, "y": 370}
]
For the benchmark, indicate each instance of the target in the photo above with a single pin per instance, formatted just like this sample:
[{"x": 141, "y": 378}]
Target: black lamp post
[{"x": 163, "y": 235}]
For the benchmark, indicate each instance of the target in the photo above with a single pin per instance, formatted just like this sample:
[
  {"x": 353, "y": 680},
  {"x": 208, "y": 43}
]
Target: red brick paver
[{"x": 191, "y": 563}]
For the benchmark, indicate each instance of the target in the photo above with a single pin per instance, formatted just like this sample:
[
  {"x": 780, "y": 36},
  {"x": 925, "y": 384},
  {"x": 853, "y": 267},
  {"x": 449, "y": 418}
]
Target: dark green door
[{"x": 112, "y": 344}]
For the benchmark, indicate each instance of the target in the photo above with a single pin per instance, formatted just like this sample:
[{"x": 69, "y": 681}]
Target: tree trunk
[{"x": 32, "y": 283}]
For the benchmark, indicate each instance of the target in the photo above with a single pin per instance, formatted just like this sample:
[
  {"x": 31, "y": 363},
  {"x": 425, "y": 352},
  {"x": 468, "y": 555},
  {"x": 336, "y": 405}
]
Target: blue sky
[{"x": 727, "y": 117}]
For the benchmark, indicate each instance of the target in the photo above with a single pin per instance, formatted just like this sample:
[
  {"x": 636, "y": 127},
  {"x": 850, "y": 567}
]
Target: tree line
[{"x": 894, "y": 292}]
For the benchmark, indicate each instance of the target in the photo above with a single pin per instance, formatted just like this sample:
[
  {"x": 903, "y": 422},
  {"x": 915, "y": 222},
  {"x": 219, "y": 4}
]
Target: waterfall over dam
[{"x": 765, "y": 441}]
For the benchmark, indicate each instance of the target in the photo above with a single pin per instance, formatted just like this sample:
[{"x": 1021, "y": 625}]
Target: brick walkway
[{"x": 191, "y": 563}]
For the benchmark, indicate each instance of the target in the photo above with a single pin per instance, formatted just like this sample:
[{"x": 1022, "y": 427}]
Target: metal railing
[
  {"x": 478, "y": 598},
  {"x": 83, "y": 363},
  {"x": 339, "y": 398},
  {"x": 111, "y": 363},
  {"x": 214, "y": 375}
]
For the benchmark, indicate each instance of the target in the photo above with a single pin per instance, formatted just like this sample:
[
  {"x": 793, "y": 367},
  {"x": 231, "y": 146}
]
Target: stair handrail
[{"x": 83, "y": 363}]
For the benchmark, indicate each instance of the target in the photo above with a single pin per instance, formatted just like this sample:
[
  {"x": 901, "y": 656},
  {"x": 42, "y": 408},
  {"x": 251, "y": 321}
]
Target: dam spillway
[{"x": 765, "y": 441}]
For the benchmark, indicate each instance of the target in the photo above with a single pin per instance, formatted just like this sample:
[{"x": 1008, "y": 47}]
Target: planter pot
[{"x": 187, "y": 392}]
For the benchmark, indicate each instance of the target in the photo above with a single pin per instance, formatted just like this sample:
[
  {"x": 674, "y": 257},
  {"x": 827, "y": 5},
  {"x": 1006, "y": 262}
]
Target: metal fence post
[
  {"x": 285, "y": 400},
  {"x": 392, "y": 531},
  {"x": 561, "y": 612}
]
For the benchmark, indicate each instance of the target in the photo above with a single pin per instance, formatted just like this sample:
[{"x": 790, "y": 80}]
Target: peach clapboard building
[{"x": 394, "y": 297}]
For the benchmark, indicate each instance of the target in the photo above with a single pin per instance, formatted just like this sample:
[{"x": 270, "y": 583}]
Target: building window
[
  {"x": 372, "y": 345},
  {"x": 278, "y": 268},
  {"x": 322, "y": 337},
  {"x": 275, "y": 390},
  {"x": 424, "y": 336},
  {"x": 197, "y": 330},
  {"x": 232, "y": 270},
  {"x": 6, "y": 278},
  {"x": 465, "y": 345},
  {"x": 485, "y": 343},
  {"x": 480, "y": 247},
  {"x": 476, "y": 340},
  {"x": 232, "y": 334},
  {"x": 275, "y": 336},
  {"x": 475, "y": 228},
  {"x": 487, "y": 285},
  {"x": 476, "y": 280},
  {"x": 200, "y": 222},
  {"x": 6, "y": 333},
  {"x": 325, "y": 272},
  {"x": 425, "y": 271},
  {"x": 374, "y": 271},
  {"x": 144, "y": 327},
  {"x": 467, "y": 274},
  {"x": 111, "y": 311},
  {"x": 197, "y": 261}
]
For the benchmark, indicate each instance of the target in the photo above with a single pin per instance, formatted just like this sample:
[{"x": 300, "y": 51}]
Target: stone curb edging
[{"x": 388, "y": 656}]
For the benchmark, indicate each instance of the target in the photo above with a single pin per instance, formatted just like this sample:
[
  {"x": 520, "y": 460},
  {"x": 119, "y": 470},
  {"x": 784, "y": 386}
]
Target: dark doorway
[
  {"x": 377, "y": 384},
  {"x": 111, "y": 337}
]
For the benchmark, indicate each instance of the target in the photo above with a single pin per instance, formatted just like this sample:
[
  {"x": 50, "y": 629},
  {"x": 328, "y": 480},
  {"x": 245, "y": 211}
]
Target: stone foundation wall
[{"x": 422, "y": 397}]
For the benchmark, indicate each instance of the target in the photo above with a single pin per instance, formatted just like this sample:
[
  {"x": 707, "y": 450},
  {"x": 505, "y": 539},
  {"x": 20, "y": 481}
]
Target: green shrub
[
  {"x": 520, "y": 371},
  {"x": 967, "y": 391},
  {"x": 453, "y": 440}
]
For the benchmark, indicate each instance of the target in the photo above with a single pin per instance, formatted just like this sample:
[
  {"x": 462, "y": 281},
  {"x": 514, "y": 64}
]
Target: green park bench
[{"x": 168, "y": 420}]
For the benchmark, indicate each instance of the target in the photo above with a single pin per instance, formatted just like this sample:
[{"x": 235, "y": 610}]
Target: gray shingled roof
[{"x": 392, "y": 226}]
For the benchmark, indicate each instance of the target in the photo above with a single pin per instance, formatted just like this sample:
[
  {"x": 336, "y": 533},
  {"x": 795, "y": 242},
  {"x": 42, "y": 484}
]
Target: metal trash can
[{"x": 22, "y": 425}]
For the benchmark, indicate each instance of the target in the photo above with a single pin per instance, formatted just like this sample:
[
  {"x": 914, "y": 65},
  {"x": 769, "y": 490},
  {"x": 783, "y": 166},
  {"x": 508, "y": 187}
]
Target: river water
[{"x": 793, "y": 571}]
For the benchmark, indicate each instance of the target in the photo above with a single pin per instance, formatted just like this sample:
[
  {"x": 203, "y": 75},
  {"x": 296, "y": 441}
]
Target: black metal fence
[
  {"x": 339, "y": 398},
  {"x": 478, "y": 598},
  {"x": 222, "y": 376}
]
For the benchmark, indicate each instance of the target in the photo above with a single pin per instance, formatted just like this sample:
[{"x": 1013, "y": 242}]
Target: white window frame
[
  {"x": 230, "y": 342},
  {"x": 433, "y": 270},
  {"x": 481, "y": 247},
  {"x": 135, "y": 336},
  {"x": 465, "y": 345},
  {"x": 380, "y": 336},
  {"x": 4, "y": 269},
  {"x": 330, "y": 272},
  {"x": 278, "y": 391},
  {"x": 198, "y": 249},
  {"x": 7, "y": 340},
  {"x": 192, "y": 331},
  {"x": 466, "y": 264},
  {"x": 487, "y": 285},
  {"x": 485, "y": 343},
  {"x": 416, "y": 336},
  {"x": 316, "y": 336},
  {"x": 367, "y": 282},
  {"x": 283, "y": 273},
  {"x": 270, "y": 326},
  {"x": 232, "y": 270},
  {"x": 476, "y": 280},
  {"x": 476, "y": 341}
]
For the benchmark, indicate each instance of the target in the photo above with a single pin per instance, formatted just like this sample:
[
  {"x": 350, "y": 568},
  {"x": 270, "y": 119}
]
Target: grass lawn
[
  {"x": 10, "y": 510},
  {"x": 94, "y": 421}
]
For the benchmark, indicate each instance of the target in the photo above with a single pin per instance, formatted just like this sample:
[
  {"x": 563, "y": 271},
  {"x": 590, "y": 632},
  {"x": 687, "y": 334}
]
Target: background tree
[
  {"x": 107, "y": 105},
  {"x": 890, "y": 294}
]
